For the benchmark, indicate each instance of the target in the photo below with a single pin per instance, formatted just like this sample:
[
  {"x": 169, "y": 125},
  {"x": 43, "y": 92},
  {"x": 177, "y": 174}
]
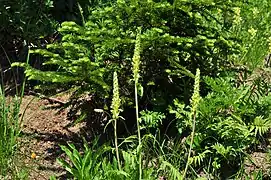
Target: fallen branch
[{"x": 49, "y": 99}]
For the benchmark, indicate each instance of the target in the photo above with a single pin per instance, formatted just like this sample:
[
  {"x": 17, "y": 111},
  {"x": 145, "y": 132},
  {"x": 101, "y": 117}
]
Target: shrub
[
  {"x": 252, "y": 27},
  {"x": 176, "y": 37}
]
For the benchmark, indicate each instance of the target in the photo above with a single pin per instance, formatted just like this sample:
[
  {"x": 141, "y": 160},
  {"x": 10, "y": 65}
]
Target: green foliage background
[{"x": 226, "y": 40}]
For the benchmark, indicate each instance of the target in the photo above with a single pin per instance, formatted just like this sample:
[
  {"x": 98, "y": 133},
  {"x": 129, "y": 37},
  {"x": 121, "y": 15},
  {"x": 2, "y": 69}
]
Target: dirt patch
[
  {"x": 43, "y": 131},
  {"x": 258, "y": 161}
]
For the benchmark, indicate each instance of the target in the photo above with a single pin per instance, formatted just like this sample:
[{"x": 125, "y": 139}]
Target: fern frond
[
  {"x": 172, "y": 172},
  {"x": 198, "y": 159},
  {"x": 260, "y": 126},
  {"x": 224, "y": 151}
]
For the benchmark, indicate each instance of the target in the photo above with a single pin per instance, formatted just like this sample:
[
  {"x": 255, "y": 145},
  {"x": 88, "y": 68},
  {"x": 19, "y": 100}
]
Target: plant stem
[
  {"x": 191, "y": 144},
  {"x": 116, "y": 143},
  {"x": 13, "y": 73},
  {"x": 138, "y": 133},
  {"x": 82, "y": 14},
  {"x": 24, "y": 82}
]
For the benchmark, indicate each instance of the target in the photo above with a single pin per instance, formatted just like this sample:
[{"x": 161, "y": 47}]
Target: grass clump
[
  {"x": 10, "y": 130},
  {"x": 9, "y": 133}
]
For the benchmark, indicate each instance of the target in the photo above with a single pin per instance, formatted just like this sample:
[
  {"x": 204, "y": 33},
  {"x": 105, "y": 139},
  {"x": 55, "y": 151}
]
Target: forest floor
[{"x": 45, "y": 128}]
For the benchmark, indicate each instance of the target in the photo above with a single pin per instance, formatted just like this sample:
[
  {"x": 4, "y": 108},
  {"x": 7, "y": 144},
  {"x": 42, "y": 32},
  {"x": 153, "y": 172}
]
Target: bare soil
[{"x": 43, "y": 131}]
